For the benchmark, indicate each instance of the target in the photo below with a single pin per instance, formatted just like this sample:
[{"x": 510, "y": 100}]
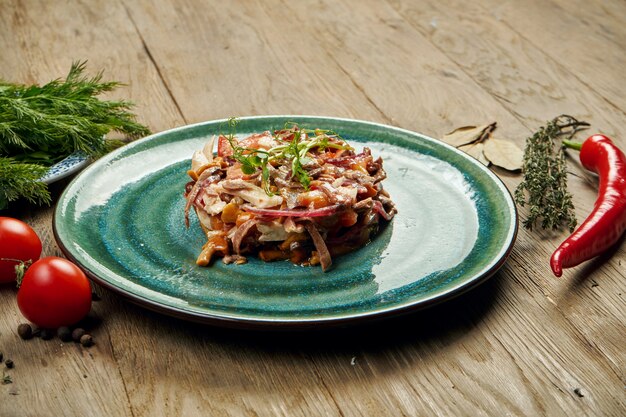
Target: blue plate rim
[{"x": 78, "y": 161}]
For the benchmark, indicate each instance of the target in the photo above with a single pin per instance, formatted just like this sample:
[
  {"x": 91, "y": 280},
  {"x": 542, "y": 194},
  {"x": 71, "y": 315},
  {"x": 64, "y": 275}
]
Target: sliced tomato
[{"x": 223, "y": 147}]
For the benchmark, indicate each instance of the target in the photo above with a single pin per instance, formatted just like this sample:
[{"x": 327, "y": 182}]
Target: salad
[{"x": 297, "y": 194}]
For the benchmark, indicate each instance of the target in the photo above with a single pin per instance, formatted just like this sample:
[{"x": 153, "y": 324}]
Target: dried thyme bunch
[{"x": 544, "y": 186}]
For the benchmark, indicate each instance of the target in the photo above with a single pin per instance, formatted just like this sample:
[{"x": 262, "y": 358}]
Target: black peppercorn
[
  {"x": 46, "y": 334},
  {"x": 25, "y": 331},
  {"x": 64, "y": 333},
  {"x": 77, "y": 334},
  {"x": 86, "y": 340},
  {"x": 9, "y": 364}
]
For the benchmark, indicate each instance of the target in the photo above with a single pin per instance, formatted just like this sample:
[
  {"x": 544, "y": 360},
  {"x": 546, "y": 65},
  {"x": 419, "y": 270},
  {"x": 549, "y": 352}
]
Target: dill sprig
[
  {"x": 544, "y": 186},
  {"x": 41, "y": 125},
  {"x": 22, "y": 180},
  {"x": 62, "y": 116},
  {"x": 293, "y": 152}
]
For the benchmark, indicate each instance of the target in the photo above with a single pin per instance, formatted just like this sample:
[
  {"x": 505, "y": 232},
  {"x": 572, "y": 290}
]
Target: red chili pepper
[{"x": 607, "y": 221}]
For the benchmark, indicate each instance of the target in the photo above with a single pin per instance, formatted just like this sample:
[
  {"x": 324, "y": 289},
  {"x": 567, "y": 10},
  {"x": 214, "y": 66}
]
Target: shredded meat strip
[
  {"x": 325, "y": 259},
  {"x": 241, "y": 233}
]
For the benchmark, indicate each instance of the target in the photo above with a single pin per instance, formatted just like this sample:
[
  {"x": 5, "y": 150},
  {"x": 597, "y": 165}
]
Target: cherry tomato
[
  {"x": 18, "y": 242},
  {"x": 54, "y": 293}
]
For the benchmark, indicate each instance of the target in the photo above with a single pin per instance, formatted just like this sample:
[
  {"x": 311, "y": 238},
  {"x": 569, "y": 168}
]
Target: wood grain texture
[
  {"x": 242, "y": 62},
  {"x": 523, "y": 344},
  {"x": 531, "y": 84},
  {"x": 40, "y": 40},
  {"x": 586, "y": 37}
]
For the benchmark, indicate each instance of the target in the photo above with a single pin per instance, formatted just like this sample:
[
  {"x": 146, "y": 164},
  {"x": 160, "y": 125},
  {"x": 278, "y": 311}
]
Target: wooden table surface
[{"x": 522, "y": 344}]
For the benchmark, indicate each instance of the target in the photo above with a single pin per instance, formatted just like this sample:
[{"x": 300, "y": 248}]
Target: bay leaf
[
  {"x": 475, "y": 150},
  {"x": 504, "y": 154},
  {"x": 466, "y": 134}
]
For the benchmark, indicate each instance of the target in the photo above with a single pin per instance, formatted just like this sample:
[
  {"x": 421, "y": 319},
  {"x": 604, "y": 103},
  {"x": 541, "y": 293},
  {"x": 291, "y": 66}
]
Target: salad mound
[{"x": 297, "y": 194}]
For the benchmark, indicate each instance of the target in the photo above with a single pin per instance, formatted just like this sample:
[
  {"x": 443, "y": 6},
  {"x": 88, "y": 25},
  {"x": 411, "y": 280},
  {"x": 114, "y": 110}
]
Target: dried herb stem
[{"x": 544, "y": 186}]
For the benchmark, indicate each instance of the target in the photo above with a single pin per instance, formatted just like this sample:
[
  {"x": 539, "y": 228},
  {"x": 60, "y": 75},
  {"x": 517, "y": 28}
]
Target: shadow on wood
[{"x": 450, "y": 320}]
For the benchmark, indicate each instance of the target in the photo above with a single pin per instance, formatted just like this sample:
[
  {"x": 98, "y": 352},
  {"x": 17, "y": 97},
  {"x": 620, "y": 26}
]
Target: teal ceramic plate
[{"x": 122, "y": 221}]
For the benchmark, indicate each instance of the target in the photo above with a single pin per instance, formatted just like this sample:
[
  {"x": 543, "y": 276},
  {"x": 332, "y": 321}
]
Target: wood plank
[
  {"x": 526, "y": 80},
  {"x": 35, "y": 37},
  {"x": 535, "y": 87},
  {"x": 428, "y": 94},
  {"x": 310, "y": 81},
  {"x": 180, "y": 369},
  {"x": 241, "y": 62},
  {"x": 586, "y": 38}
]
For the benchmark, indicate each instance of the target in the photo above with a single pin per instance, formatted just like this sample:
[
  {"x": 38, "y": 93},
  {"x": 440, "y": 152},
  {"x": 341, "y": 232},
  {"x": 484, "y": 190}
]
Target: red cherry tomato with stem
[
  {"x": 54, "y": 293},
  {"x": 18, "y": 244}
]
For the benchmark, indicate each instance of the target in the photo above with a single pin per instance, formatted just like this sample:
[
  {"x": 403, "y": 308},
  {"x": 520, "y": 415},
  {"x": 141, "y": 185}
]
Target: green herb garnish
[
  {"x": 41, "y": 125},
  {"x": 293, "y": 152},
  {"x": 544, "y": 187},
  {"x": 22, "y": 180}
]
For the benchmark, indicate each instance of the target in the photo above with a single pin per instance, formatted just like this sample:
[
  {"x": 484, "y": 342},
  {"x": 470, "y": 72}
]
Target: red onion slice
[
  {"x": 320, "y": 212},
  {"x": 378, "y": 208},
  {"x": 203, "y": 180}
]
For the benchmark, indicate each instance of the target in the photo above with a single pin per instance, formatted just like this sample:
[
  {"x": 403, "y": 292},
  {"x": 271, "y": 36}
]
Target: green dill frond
[
  {"x": 41, "y": 125},
  {"x": 20, "y": 180},
  {"x": 63, "y": 116}
]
